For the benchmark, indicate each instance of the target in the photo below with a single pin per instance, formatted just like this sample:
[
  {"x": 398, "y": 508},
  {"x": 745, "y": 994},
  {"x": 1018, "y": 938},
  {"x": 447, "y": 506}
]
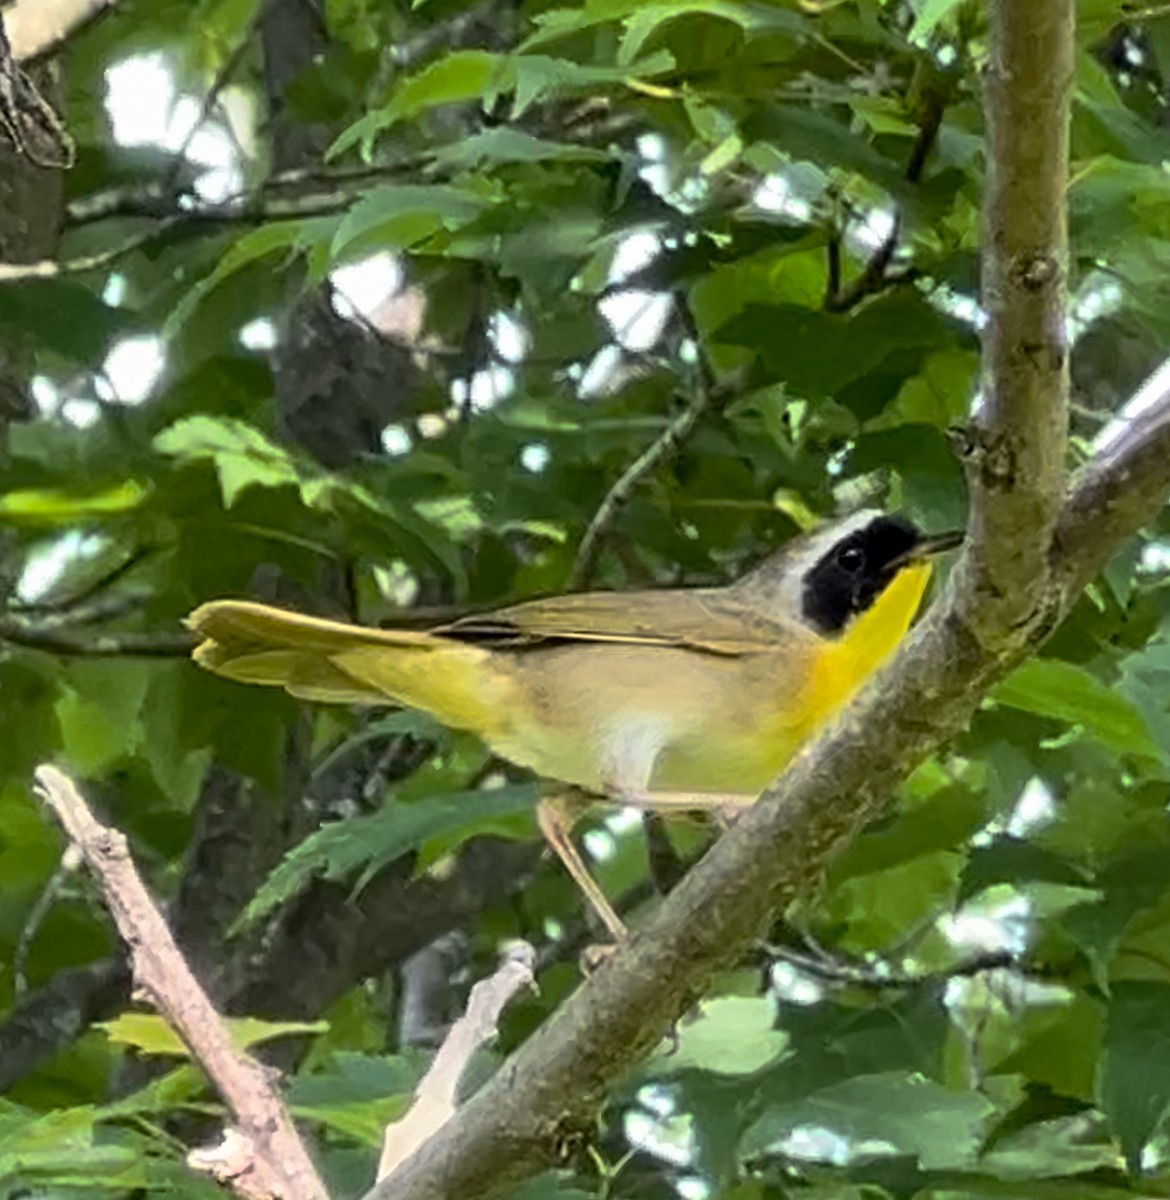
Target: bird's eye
[{"x": 851, "y": 559}]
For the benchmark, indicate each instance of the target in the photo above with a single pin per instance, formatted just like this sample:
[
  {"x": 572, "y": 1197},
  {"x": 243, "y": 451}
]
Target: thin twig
[
  {"x": 663, "y": 446},
  {"x": 70, "y": 861},
  {"x": 875, "y": 277},
  {"x": 51, "y": 268},
  {"x": 47, "y": 636},
  {"x": 262, "y": 1156},
  {"x": 435, "y": 1097},
  {"x": 223, "y": 77},
  {"x": 880, "y": 976}
]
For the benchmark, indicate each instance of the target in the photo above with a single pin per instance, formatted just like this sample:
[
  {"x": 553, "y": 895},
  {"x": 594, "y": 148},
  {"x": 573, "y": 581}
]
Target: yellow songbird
[{"x": 679, "y": 698}]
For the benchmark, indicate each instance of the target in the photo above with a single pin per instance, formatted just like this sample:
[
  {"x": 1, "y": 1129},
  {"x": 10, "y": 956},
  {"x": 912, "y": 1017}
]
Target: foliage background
[{"x": 745, "y": 234}]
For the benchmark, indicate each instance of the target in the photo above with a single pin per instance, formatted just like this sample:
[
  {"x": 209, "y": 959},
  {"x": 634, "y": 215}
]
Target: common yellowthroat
[{"x": 674, "y": 698}]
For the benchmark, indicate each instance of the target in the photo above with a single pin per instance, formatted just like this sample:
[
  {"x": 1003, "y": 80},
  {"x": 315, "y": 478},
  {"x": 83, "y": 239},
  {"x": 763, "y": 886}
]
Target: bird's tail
[{"x": 337, "y": 663}]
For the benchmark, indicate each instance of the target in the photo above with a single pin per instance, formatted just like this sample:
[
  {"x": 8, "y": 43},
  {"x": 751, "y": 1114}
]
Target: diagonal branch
[
  {"x": 37, "y": 27},
  {"x": 269, "y": 1160},
  {"x": 664, "y": 445}
]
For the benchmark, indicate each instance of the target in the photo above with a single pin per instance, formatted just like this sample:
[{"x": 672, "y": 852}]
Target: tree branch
[
  {"x": 37, "y": 27},
  {"x": 435, "y": 1097},
  {"x": 47, "y": 636},
  {"x": 268, "y": 1159},
  {"x": 51, "y": 268},
  {"x": 1017, "y": 466},
  {"x": 663, "y": 446}
]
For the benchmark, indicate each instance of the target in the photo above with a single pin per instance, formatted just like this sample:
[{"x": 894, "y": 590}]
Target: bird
[{"x": 674, "y": 698}]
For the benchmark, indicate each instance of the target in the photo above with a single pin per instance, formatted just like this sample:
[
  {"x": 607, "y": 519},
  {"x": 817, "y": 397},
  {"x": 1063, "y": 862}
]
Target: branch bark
[
  {"x": 37, "y": 27},
  {"x": 1017, "y": 462},
  {"x": 436, "y": 1095},
  {"x": 268, "y": 1160}
]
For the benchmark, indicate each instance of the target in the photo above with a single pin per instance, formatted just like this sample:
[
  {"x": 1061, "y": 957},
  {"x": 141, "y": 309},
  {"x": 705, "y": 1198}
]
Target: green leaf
[
  {"x": 1134, "y": 1087},
  {"x": 1065, "y": 692},
  {"x": 731, "y": 1035},
  {"x": 646, "y": 19},
  {"x": 507, "y": 145},
  {"x": 1016, "y": 861},
  {"x": 459, "y": 76},
  {"x": 1062, "y": 1054},
  {"x": 905, "y": 1113},
  {"x": 357, "y": 1094},
  {"x": 71, "y": 506},
  {"x": 59, "y": 1148},
  {"x": 401, "y": 215},
  {"x": 369, "y": 843},
  {"x": 243, "y": 456},
  {"x": 291, "y": 237},
  {"x": 63, "y": 316},
  {"x": 928, "y": 15},
  {"x": 537, "y": 77},
  {"x": 99, "y": 712},
  {"x": 149, "y": 1033}
]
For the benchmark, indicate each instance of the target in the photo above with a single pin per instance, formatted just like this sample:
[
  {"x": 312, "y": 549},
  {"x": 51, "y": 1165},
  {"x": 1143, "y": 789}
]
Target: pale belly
[{"x": 634, "y": 718}]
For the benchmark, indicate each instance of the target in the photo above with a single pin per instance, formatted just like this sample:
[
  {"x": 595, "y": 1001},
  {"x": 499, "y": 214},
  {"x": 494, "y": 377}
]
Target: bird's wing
[{"x": 709, "y": 620}]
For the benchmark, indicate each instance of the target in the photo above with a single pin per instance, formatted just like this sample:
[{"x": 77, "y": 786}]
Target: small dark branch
[
  {"x": 150, "y": 199},
  {"x": 48, "y": 636},
  {"x": 297, "y": 192},
  {"x": 880, "y": 976},
  {"x": 223, "y": 77},
  {"x": 665, "y": 862},
  {"x": 930, "y": 119},
  {"x": 70, "y": 861},
  {"x": 76, "y": 606},
  {"x": 446, "y": 35},
  {"x": 38, "y": 27},
  {"x": 875, "y": 278},
  {"x": 1017, "y": 468},
  {"x": 665, "y": 445},
  {"x": 833, "y": 253},
  {"x": 189, "y": 217},
  {"x": 56, "y": 269},
  {"x": 267, "y": 1158}
]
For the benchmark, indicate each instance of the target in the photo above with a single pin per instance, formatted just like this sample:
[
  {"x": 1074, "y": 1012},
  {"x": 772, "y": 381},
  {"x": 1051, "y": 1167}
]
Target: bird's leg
[
  {"x": 556, "y": 815},
  {"x": 725, "y": 807},
  {"x": 719, "y": 802}
]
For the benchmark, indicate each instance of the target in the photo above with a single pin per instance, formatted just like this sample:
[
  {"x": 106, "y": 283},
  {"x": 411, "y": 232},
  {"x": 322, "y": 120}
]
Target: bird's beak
[{"x": 938, "y": 543}]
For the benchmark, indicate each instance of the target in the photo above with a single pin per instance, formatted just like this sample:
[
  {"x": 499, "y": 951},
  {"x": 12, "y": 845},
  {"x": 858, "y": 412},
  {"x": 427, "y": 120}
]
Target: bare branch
[
  {"x": 48, "y": 636},
  {"x": 276, "y": 1165},
  {"x": 1017, "y": 466},
  {"x": 51, "y": 268},
  {"x": 663, "y": 446},
  {"x": 435, "y": 1096},
  {"x": 37, "y": 27}
]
